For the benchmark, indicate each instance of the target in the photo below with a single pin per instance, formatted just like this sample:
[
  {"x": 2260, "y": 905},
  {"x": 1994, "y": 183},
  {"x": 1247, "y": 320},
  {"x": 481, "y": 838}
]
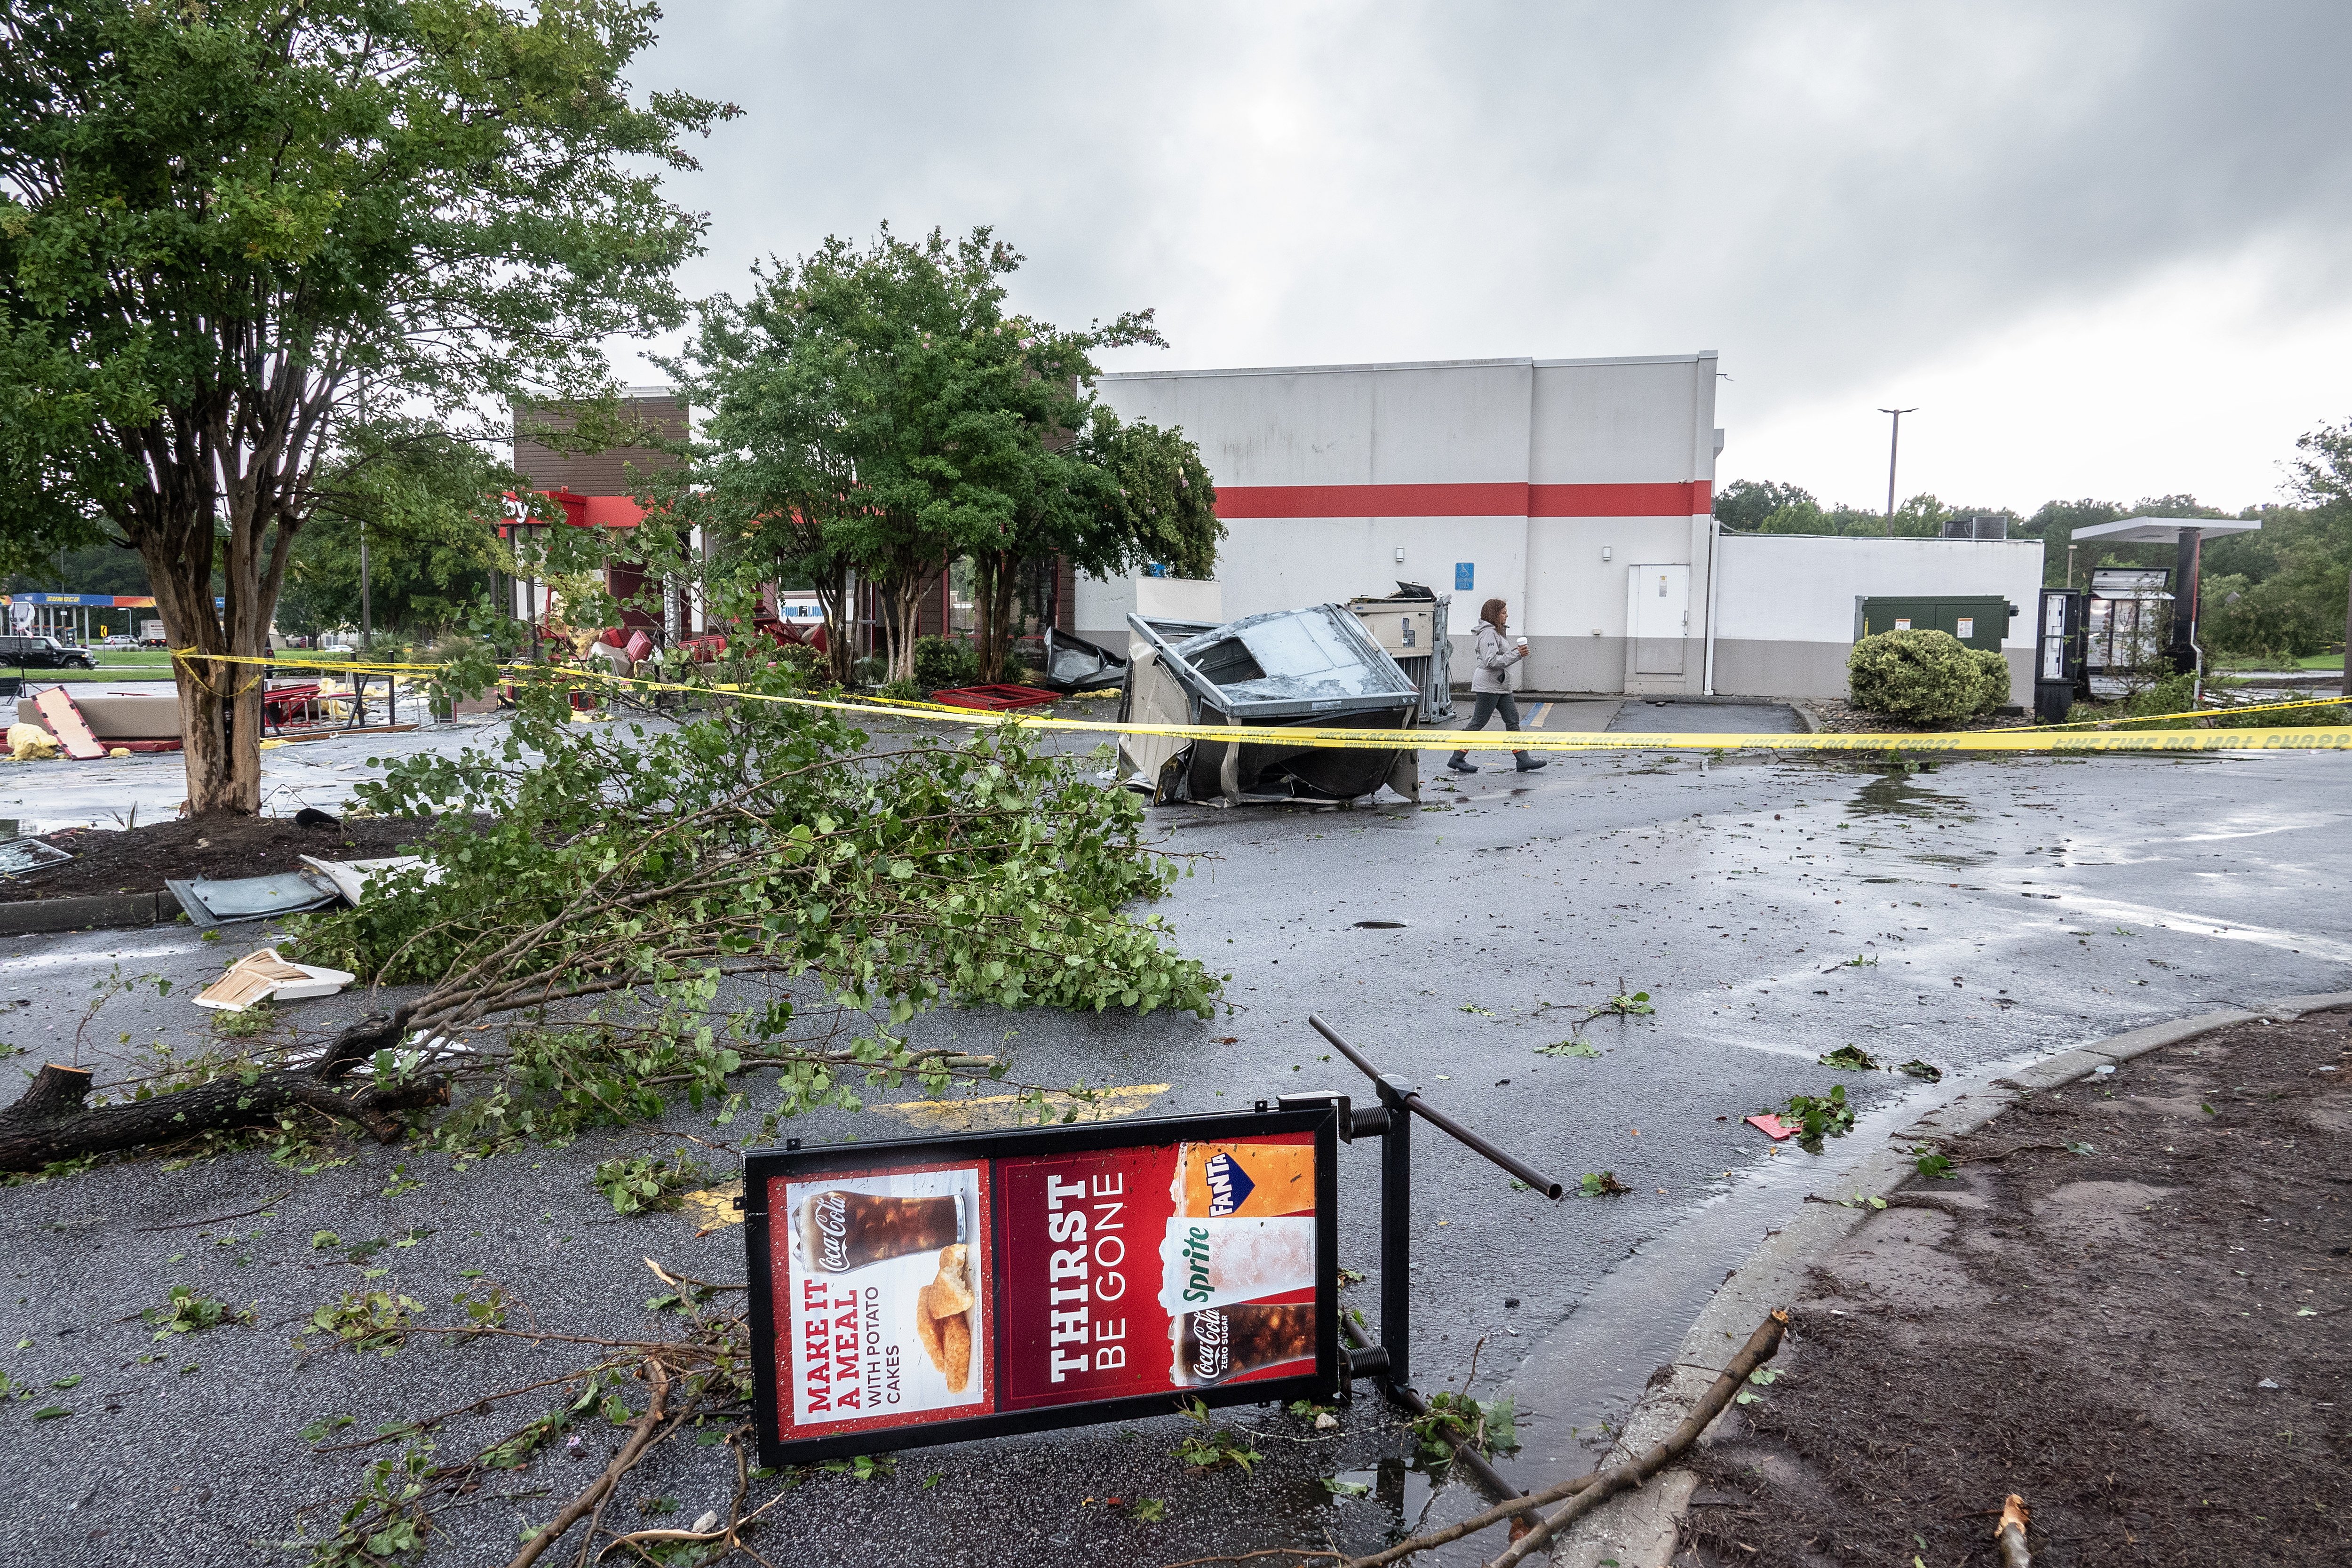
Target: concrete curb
[
  {"x": 1641, "y": 1529},
  {"x": 1672, "y": 699},
  {"x": 107, "y": 910}
]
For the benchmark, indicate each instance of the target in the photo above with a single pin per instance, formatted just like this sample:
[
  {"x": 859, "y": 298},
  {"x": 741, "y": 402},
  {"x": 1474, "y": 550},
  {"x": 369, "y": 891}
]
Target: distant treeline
[{"x": 2281, "y": 593}]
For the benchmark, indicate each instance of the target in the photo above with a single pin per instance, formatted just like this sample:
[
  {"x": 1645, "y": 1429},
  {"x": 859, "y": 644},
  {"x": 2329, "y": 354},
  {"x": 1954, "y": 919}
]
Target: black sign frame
[{"x": 762, "y": 1166}]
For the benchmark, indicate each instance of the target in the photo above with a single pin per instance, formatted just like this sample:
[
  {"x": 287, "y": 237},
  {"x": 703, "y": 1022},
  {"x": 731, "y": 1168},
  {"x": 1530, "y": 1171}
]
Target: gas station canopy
[{"x": 2163, "y": 530}]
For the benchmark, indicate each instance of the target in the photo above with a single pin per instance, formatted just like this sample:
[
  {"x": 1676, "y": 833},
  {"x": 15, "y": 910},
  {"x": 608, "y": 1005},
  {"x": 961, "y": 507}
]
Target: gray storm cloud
[{"x": 1825, "y": 191}]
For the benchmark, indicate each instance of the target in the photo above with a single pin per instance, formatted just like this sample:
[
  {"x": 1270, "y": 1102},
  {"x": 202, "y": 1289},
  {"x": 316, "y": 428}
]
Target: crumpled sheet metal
[
  {"x": 1074, "y": 664},
  {"x": 1321, "y": 654},
  {"x": 226, "y": 902},
  {"x": 318, "y": 885},
  {"x": 1315, "y": 666},
  {"x": 18, "y": 855}
]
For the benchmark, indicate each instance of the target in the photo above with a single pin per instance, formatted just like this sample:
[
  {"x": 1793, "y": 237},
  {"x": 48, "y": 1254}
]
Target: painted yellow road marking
[
  {"x": 712, "y": 1208},
  {"x": 990, "y": 1113}
]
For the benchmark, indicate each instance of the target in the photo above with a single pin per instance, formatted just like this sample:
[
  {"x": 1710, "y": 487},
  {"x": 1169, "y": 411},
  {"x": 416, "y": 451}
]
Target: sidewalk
[{"x": 1597, "y": 715}]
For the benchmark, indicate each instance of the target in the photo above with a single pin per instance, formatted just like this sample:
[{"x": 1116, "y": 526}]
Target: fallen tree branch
[
  {"x": 641, "y": 1436},
  {"x": 216, "y": 1219},
  {"x": 1760, "y": 1349},
  {"x": 2010, "y": 1533},
  {"x": 1587, "y": 1492},
  {"x": 52, "y": 1121},
  {"x": 407, "y": 1429}
]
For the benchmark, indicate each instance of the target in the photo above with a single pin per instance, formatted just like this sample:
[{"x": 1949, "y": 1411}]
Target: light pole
[
  {"x": 367, "y": 616},
  {"x": 1893, "y": 441}
]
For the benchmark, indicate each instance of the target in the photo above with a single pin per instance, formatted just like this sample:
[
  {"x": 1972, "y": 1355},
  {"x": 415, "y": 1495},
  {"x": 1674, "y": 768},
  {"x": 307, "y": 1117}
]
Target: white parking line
[
  {"x": 62, "y": 959},
  {"x": 2190, "y": 924}
]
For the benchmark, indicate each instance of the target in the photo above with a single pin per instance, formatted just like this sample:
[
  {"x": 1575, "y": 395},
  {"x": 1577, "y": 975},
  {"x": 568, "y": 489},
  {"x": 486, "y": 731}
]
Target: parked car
[
  {"x": 42, "y": 653},
  {"x": 120, "y": 639}
]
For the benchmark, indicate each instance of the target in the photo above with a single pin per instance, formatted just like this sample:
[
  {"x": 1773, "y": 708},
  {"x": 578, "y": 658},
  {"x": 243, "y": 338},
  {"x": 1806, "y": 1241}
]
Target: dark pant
[{"x": 1489, "y": 704}]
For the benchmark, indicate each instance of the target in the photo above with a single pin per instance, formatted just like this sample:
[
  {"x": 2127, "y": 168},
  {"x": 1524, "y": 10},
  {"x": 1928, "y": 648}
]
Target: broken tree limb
[
  {"x": 641, "y": 1436},
  {"x": 2010, "y": 1533},
  {"x": 55, "y": 1090},
  {"x": 52, "y": 1120},
  {"x": 1586, "y": 1492},
  {"x": 1606, "y": 1484}
]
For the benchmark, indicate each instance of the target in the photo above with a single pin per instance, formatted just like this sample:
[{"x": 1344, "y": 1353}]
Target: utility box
[
  {"x": 1979, "y": 621},
  {"x": 1409, "y": 626},
  {"x": 2061, "y": 653},
  {"x": 1977, "y": 525}
]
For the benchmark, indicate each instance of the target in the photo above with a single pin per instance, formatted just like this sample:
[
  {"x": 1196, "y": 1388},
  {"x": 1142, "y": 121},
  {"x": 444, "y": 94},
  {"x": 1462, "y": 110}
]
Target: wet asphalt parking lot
[{"x": 1773, "y": 907}]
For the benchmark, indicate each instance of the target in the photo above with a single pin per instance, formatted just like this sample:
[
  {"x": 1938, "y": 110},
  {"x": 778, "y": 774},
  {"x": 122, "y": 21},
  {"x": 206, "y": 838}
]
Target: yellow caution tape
[
  {"x": 2205, "y": 712},
  {"x": 2021, "y": 739}
]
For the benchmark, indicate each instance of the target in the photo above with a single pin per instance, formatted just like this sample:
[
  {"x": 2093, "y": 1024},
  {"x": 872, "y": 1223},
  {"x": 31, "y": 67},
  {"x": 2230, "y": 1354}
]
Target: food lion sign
[{"x": 932, "y": 1290}]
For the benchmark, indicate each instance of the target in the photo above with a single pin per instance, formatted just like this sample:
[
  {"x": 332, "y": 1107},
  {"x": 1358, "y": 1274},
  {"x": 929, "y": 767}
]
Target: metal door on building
[{"x": 1657, "y": 617}]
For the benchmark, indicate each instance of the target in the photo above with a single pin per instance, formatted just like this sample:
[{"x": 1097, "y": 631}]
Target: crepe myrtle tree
[
  {"x": 230, "y": 232},
  {"x": 768, "y": 474},
  {"x": 619, "y": 916},
  {"x": 875, "y": 410}
]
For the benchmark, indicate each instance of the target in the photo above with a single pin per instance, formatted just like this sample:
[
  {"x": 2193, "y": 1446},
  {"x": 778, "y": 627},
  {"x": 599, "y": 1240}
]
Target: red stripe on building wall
[
  {"x": 1692, "y": 499},
  {"x": 1506, "y": 499}
]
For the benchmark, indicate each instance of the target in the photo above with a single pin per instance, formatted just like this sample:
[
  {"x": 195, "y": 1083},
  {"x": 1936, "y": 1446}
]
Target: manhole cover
[{"x": 1380, "y": 925}]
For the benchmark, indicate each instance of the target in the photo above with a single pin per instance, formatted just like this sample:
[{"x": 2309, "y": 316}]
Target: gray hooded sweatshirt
[{"x": 1491, "y": 659}]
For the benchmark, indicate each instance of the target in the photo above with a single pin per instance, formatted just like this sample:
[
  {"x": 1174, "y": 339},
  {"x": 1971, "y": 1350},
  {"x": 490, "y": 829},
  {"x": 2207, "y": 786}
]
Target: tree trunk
[
  {"x": 51, "y": 1121},
  {"x": 989, "y": 636},
  {"x": 220, "y": 727},
  {"x": 996, "y": 584},
  {"x": 908, "y": 582},
  {"x": 220, "y": 703},
  {"x": 2346, "y": 687},
  {"x": 832, "y": 598}
]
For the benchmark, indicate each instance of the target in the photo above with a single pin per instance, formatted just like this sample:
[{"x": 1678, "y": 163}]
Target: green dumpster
[{"x": 1980, "y": 620}]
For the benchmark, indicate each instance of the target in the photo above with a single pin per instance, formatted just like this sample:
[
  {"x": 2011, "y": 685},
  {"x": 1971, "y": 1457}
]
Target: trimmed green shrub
[
  {"x": 1992, "y": 667},
  {"x": 1925, "y": 677},
  {"x": 940, "y": 662}
]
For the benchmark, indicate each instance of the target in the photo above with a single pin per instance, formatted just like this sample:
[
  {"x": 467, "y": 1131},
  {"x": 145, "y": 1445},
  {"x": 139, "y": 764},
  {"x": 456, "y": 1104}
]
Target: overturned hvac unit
[{"x": 1309, "y": 669}]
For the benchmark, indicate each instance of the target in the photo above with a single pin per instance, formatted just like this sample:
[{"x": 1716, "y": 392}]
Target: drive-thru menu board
[{"x": 929, "y": 1291}]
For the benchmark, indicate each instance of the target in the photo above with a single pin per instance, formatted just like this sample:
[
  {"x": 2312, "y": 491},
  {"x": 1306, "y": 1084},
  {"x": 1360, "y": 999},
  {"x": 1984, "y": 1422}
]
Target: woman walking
[{"x": 1490, "y": 682}]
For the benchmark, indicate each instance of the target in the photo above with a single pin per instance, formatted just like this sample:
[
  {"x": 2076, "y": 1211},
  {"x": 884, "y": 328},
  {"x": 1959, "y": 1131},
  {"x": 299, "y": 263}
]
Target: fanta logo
[{"x": 1229, "y": 1185}]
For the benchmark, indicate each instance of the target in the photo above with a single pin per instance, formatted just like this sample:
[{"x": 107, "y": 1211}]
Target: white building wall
[
  {"x": 1525, "y": 469},
  {"x": 1785, "y": 617}
]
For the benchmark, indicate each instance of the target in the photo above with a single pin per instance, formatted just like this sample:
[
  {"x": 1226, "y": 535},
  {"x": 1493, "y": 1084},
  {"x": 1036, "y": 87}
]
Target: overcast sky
[{"x": 2102, "y": 246}]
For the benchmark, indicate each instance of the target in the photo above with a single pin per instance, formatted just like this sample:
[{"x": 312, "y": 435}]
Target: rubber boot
[
  {"x": 1528, "y": 765},
  {"x": 1461, "y": 763}
]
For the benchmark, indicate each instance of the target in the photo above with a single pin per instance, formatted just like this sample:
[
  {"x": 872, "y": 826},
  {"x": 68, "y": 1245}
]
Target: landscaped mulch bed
[
  {"x": 137, "y": 860},
  {"x": 2131, "y": 1309},
  {"x": 1842, "y": 718}
]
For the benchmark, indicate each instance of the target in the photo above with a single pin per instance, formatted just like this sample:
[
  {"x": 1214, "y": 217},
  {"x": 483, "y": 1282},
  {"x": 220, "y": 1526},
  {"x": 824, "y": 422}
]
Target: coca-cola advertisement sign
[
  {"x": 920, "y": 1292},
  {"x": 884, "y": 1313}
]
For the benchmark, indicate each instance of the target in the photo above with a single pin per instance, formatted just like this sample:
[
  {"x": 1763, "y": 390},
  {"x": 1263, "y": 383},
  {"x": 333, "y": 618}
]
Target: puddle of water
[
  {"x": 1894, "y": 794},
  {"x": 1584, "y": 1375},
  {"x": 1400, "y": 1500}
]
